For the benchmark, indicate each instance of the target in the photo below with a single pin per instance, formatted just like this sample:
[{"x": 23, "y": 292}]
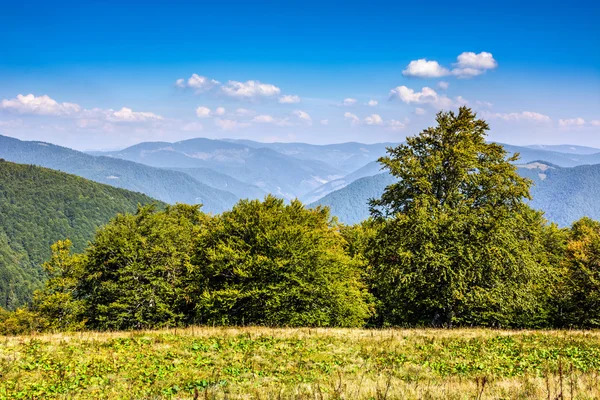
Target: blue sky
[{"x": 93, "y": 75}]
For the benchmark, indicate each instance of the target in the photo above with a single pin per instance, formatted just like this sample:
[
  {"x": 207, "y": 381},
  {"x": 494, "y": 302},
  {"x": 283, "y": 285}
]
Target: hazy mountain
[
  {"x": 345, "y": 156},
  {"x": 350, "y": 204},
  {"x": 564, "y": 194},
  {"x": 372, "y": 168},
  {"x": 566, "y": 148},
  {"x": 39, "y": 206},
  {"x": 268, "y": 169},
  {"x": 529, "y": 154},
  {"x": 224, "y": 182},
  {"x": 168, "y": 186}
]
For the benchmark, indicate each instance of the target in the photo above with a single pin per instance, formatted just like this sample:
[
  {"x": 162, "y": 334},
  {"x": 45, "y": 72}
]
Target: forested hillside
[
  {"x": 165, "y": 185},
  {"x": 39, "y": 206}
]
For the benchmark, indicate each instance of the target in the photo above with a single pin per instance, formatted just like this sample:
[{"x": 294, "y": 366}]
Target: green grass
[{"x": 302, "y": 363}]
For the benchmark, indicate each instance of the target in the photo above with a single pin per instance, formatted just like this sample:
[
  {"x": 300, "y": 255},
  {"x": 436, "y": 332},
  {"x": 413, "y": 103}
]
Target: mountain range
[{"x": 217, "y": 173}]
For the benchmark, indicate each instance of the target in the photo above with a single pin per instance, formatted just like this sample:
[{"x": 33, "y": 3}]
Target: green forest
[
  {"x": 453, "y": 241},
  {"x": 39, "y": 206}
]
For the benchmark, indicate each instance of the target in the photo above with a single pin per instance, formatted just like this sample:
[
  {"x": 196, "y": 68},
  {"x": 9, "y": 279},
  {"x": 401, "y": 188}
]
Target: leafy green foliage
[
  {"x": 275, "y": 264},
  {"x": 458, "y": 245},
  {"x": 38, "y": 207},
  {"x": 582, "y": 302}
]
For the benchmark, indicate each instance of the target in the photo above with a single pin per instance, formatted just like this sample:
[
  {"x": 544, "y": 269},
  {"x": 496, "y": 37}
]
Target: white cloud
[
  {"x": 128, "y": 115},
  {"x": 395, "y": 124},
  {"x": 220, "y": 111},
  {"x": 264, "y": 119},
  {"x": 483, "y": 60},
  {"x": 46, "y": 106},
  {"x": 349, "y": 101},
  {"x": 374, "y": 119},
  {"x": 249, "y": 89},
  {"x": 443, "y": 85},
  {"x": 244, "y": 112},
  {"x": 372, "y": 103},
  {"x": 425, "y": 96},
  {"x": 303, "y": 115},
  {"x": 324, "y": 122},
  {"x": 425, "y": 69},
  {"x": 268, "y": 119},
  {"x": 419, "y": 111},
  {"x": 470, "y": 64},
  {"x": 198, "y": 83},
  {"x": 352, "y": 117},
  {"x": 203, "y": 112},
  {"x": 595, "y": 122},
  {"x": 230, "y": 124},
  {"x": 461, "y": 101},
  {"x": 571, "y": 122},
  {"x": 520, "y": 116},
  {"x": 41, "y": 105},
  {"x": 289, "y": 99}
]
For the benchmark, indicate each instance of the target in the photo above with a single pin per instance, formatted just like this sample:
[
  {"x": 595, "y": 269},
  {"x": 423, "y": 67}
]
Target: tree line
[{"x": 453, "y": 242}]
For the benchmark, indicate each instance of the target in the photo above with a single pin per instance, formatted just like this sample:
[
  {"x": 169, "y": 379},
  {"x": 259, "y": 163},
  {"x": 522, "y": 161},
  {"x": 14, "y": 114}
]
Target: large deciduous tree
[
  {"x": 459, "y": 244},
  {"x": 269, "y": 263}
]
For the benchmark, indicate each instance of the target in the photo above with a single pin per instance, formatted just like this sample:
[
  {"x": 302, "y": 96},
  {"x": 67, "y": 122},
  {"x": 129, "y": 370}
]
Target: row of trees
[{"x": 453, "y": 242}]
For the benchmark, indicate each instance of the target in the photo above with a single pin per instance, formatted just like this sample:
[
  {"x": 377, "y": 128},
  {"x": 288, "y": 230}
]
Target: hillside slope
[
  {"x": 165, "y": 185},
  {"x": 39, "y": 206}
]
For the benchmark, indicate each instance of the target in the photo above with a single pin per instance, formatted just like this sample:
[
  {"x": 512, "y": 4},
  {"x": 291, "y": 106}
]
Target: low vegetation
[{"x": 265, "y": 363}]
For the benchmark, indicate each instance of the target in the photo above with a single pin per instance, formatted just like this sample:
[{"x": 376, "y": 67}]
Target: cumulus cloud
[
  {"x": 395, "y": 124},
  {"x": 443, "y": 85},
  {"x": 374, "y": 119},
  {"x": 468, "y": 64},
  {"x": 352, "y": 117},
  {"x": 40, "y": 105},
  {"x": 249, "y": 89},
  {"x": 220, "y": 111},
  {"x": 304, "y": 116},
  {"x": 422, "y": 68},
  {"x": 571, "y": 122},
  {"x": 595, "y": 122},
  {"x": 425, "y": 96},
  {"x": 244, "y": 112},
  {"x": 324, "y": 122},
  {"x": 203, "y": 112},
  {"x": 87, "y": 118},
  {"x": 289, "y": 99},
  {"x": 519, "y": 116},
  {"x": 269, "y": 119},
  {"x": 128, "y": 115},
  {"x": 372, "y": 103},
  {"x": 197, "y": 83},
  {"x": 349, "y": 101}
]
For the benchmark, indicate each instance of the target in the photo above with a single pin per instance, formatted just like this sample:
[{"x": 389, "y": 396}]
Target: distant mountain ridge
[
  {"x": 564, "y": 194},
  {"x": 165, "y": 185},
  {"x": 268, "y": 169}
]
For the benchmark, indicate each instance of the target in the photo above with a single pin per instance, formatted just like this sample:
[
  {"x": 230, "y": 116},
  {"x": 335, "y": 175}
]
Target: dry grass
[{"x": 265, "y": 363}]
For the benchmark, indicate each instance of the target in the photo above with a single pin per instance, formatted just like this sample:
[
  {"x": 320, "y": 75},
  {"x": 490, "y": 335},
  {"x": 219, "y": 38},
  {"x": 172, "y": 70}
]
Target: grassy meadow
[{"x": 265, "y": 363}]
